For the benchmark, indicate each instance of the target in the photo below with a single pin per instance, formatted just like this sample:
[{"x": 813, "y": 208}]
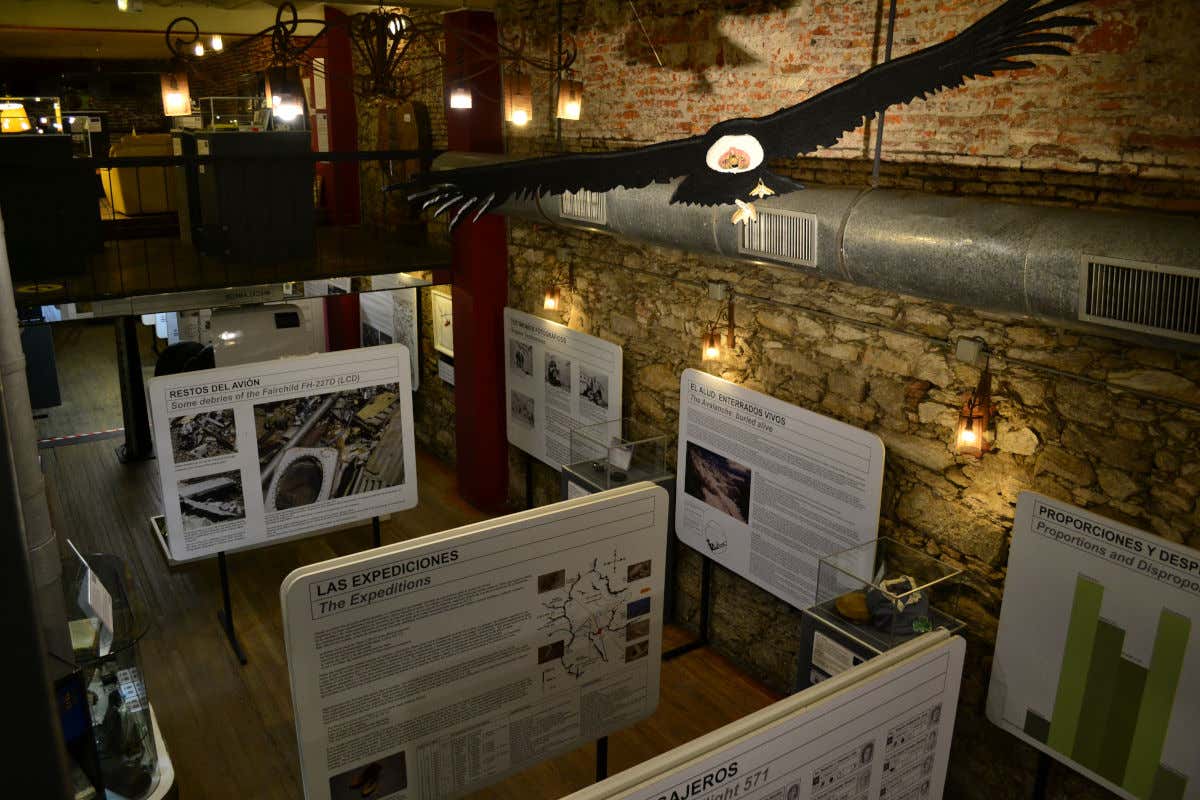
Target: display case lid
[{"x": 130, "y": 620}]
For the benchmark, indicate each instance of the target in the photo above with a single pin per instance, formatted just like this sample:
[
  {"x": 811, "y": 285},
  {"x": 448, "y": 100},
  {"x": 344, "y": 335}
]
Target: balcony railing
[{"x": 246, "y": 212}]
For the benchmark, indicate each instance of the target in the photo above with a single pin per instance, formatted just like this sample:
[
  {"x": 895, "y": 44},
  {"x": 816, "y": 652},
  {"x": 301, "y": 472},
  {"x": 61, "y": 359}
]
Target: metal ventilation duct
[{"x": 1001, "y": 257}]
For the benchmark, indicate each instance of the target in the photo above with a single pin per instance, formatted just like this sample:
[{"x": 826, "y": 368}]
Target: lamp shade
[
  {"x": 570, "y": 99},
  {"x": 518, "y": 99},
  {"x": 176, "y": 98},
  {"x": 13, "y": 118},
  {"x": 460, "y": 97},
  {"x": 285, "y": 93}
]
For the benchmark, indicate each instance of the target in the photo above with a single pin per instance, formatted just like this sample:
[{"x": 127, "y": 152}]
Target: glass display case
[
  {"x": 30, "y": 116},
  {"x": 111, "y": 674},
  {"x": 616, "y": 453},
  {"x": 233, "y": 113},
  {"x": 885, "y": 592}
]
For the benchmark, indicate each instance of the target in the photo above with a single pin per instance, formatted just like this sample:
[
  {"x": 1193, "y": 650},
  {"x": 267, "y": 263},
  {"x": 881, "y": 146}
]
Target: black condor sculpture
[{"x": 728, "y": 164}]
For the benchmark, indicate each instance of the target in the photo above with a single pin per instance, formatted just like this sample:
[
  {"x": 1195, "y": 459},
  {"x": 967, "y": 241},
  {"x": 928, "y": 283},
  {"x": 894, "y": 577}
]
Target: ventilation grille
[
  {"x": 789, "y": 236},
  {"x": 1143, "y": 297},
  {"x": 584, "y": 206}
]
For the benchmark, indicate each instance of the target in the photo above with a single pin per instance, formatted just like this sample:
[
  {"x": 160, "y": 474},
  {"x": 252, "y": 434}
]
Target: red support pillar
[
  {"x": 480, "y": 263},
  {"x": 343, "y": 118}
]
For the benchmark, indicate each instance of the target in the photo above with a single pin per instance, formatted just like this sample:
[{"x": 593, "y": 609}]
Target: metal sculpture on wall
[{"x": 728, "y": 164}]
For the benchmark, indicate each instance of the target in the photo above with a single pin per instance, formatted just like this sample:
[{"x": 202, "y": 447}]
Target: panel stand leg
[
  {"x": 137, "y": 445},
  {"x": 601, "y": 758},
  {"x": 528, "y": 481},
  {"x": 1043, "y": 776},
  {"x": 375, "y": 533},
  {"x": 705, "y": 609},
  {"x": 225, "y": 615}
]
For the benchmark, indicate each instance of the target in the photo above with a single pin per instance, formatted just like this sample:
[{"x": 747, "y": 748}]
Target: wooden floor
[{"x": 228, "y": 727}]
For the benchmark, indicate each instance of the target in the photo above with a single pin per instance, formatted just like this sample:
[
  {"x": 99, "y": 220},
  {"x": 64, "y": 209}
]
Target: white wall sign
[
  {"x": 555, "y": 379},
  {"x": 1098, "y": 651},
  {"x": 437, "y": 666},
  {"x": 442, "y": 306},
  {"x": 879, "y": 730},
  {"x": 766, "y": 488},
  {"x": 391, "y": 316},
  {"x": 263, "y": 451}
]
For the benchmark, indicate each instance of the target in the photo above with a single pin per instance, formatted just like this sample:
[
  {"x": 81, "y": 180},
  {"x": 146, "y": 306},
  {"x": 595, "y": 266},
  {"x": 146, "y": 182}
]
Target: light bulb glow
[
  {"x": 460, "y": 98},
  {"x": 967, "y": 436},
  {"x": 10, "y": 106},
  {"x": 550, "y": 301},
  {"x": 712, "y": 347},
  {"x": 122, "y": 5},
  {"x": 216, "y": 43},
  {"x": 199, "y": 49},
  {"x": 572, "y": 110},
  {"x": 287, "y": 111},
  {"x": 519, "y": 117}
]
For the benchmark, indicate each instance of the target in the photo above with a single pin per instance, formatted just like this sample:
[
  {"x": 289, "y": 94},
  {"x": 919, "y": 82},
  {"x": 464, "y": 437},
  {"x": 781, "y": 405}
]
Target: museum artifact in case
[
  {"x": 859, "y": 615},
  {"x": 112, "y": 676},
  {"x": 616, "y": 453}
]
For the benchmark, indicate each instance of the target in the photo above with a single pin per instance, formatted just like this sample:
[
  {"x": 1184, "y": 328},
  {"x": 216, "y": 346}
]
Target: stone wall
[{"x": 1092, "y": 420}]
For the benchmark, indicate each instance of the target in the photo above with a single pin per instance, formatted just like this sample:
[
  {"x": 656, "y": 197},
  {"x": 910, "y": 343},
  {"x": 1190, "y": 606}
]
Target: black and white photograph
[
  {"x": 638, "y": 571},
  {"x": 381, "y": 778},
  {"x": 558, "y": 372},
  {"x": 638, "y": 629},
  {"x": 372, "y": 336},
  {"x": 637, "y": 650},
  {"x": 718, "y": 481},
  {"x": 551, "y": 652},
  {"x": 520, "y": 357},
  {"x": 551, "y": 581},
  {"x": 593, "y": 387},
  {"x": 318, "y": 448},
  {"x": 205, "y": 435},
  {"x": 211, "y": 500},
  {"x": 523, "y": 408}
]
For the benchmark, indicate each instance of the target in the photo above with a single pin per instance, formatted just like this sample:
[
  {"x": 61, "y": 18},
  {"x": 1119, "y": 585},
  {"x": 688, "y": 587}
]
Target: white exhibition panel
[
  {"x": 389, "y": 315},
  {"x": 881, "y": 729},
  {"x": 556, "y": 379},
  {"x": 259, "y": 452},
  {"x": 1097, "y": 658},
  {"x": 443, "y": 664},
  {"x": 766, "y": 488}
]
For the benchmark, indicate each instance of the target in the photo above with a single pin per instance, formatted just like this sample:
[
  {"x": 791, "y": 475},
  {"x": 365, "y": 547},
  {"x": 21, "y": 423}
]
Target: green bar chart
[{"x": 1112, "y": 715}]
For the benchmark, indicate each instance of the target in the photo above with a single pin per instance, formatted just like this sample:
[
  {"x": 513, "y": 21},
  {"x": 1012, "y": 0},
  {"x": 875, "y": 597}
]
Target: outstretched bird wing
[
  {"x": 476, "y": 189},
  {"x": 995, "y": 43}
]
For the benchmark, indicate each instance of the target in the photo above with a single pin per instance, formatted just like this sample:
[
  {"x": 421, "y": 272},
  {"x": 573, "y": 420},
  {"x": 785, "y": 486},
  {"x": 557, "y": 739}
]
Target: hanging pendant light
[
  {"x": 518, "y": 100},
  {"x": 460, "y": 97},
  {"x": 570, "y": 99},
  {"x": 176, "y": 98},
  {"x": 285, "y": 93}
]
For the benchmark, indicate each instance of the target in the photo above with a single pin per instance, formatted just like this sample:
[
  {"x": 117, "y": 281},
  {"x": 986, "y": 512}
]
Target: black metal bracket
[{"x": 225, "y": 614}]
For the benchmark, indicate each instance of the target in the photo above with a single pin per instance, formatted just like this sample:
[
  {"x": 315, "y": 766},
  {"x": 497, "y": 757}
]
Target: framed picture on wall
[{"x": 443, "y": 322}]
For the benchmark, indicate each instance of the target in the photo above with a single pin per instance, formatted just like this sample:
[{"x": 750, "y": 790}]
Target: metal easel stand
[
  {"x": 601, "y": 758},
  {"x": 225, "y": 615},
  {"x": 375, "y": 533},
  {"x": 705, "y": 610}
]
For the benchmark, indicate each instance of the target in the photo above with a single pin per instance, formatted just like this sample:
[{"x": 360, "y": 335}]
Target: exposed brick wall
[
  {"x": 128, "y": 90},
  {"x": 1126, "y": 102}
]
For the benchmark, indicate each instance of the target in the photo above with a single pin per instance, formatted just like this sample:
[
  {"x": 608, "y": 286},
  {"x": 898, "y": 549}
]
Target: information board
[
  {"x": 556, "y": 379},
  {"x": 1098, "y": 651},
  {"x": 263, "y": 451},
  {"x": 390, "y": 316},
  {"x": 766, "y": 488},
  {"x": 879, "y": 730},
  {"x": 438, "y": 666}
]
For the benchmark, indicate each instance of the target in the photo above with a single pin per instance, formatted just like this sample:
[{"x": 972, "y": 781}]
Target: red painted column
[
  {"x": 343, "y": 118},
  {"x": 480, "y": 263}
]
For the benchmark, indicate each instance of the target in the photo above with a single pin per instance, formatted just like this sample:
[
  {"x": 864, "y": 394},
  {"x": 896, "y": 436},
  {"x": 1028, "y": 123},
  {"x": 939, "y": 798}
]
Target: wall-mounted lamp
[
  {"x": 552, "y": 300},
  {"x": 216, "y": 43},
  {"x": 970, "y": 435},
  {"x": 711, "y": 344},
  {"x": 570, "y": 99},
  {"x": 176, "y": 98},
  {"x": 198, "y": 50},
  {"x": 460, "y": 97},
  {"x": 518, "y": 99}
]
